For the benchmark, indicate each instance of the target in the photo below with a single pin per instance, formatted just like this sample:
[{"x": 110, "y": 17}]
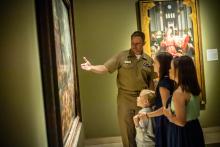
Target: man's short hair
[{"x": 138, "y": 34}]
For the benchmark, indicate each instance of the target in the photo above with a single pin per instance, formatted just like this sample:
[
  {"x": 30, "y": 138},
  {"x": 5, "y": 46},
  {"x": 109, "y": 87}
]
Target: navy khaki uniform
[{"x": 133, "y": 76}]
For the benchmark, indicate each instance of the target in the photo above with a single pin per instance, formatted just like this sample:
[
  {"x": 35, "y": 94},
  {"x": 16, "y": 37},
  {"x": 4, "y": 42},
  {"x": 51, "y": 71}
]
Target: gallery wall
[
  {"x": 103, "y": 28},
  {"x": 21, "y": 101},
  {"x": 209, "y": 14}
]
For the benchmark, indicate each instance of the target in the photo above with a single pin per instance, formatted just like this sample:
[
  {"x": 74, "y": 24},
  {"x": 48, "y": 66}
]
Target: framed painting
[
  {"x": 59, "y": 71},
  {"x": 173, "y": 26}
]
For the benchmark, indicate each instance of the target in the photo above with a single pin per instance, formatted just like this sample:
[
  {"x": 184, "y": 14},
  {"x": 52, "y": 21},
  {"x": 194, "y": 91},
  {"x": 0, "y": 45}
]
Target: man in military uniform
[{"x": 135, "y": 72}]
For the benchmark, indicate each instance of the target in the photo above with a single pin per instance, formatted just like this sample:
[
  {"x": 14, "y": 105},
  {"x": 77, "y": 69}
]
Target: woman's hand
[
  {"x": 167, "y": 113},
  {"x": 143, "y": 115}
]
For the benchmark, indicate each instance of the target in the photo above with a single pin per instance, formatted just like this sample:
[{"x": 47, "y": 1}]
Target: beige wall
[
  {"x": 21, "y": 100},
  {"x": 103, "y": 28},
  {"x": 209, "y": 11}
]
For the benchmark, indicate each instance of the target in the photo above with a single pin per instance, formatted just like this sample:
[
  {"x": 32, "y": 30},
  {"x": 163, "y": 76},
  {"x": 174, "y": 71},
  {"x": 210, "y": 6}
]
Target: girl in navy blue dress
[
  {"x": 184, "y": 129},
  {"x": 164, "y": 89}
]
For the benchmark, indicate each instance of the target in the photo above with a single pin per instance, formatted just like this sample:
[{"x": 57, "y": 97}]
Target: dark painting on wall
[
  {"x": 173, "y": 26},
  {"x": 59, "y": 71},
  {"x": 64, "y": 62}
]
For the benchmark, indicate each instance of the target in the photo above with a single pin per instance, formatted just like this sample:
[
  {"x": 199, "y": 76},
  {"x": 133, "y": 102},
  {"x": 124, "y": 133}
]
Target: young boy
[{"x": 145, "y": 127}]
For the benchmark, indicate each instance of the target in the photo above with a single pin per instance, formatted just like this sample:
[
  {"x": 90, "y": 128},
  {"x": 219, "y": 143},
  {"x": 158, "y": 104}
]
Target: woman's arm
[
  {"x": 165, "y": 94},
  {"x": 155, "y": 113},
  {"x": 179, "y": 118}
]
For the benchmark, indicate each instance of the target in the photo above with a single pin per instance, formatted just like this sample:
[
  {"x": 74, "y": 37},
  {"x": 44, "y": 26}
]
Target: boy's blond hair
[{"x": 149, "y": 95}]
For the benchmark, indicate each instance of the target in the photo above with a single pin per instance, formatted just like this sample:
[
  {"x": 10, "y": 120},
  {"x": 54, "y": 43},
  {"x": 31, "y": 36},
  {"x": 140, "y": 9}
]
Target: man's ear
[{"x": 144, "y": 43}]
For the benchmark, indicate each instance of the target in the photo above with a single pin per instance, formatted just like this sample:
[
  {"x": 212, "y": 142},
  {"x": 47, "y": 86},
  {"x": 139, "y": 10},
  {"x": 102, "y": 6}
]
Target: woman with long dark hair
[
  {"x": 184, "y": 129},
  {"x": 164, "y": 90}
]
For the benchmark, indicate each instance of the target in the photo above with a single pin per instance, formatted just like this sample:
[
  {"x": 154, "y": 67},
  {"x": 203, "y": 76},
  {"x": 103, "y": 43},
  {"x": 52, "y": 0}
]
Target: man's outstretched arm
[{"x": 100, "y": 69}]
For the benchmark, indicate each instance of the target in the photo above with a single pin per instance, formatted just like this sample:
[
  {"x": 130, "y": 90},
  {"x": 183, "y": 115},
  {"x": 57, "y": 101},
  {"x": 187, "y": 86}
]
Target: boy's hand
[{"x": 136, "y": 120}]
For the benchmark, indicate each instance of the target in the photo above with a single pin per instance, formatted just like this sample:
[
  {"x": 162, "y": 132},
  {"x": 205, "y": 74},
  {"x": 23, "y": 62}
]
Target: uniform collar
[
  {"x": 132, "y": 54},
  {"x": 144, "y": 56}
]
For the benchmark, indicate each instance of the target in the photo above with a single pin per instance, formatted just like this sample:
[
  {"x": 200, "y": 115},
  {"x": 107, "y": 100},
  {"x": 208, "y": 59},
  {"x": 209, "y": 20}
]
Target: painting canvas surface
[{"x": 64, "y": 61}]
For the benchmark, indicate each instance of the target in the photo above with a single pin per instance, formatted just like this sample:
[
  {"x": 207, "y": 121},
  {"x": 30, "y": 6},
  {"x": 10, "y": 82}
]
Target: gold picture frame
[{"x": 173, "y": 26}]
